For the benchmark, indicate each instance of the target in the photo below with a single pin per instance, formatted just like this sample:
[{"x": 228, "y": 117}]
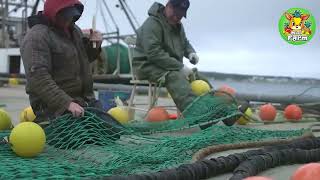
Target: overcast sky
[{"x": 233, "y": 36}]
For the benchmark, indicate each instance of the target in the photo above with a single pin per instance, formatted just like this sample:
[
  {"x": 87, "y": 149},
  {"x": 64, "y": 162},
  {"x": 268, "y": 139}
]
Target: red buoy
[
  {"x": 157, "y": 114},
  {"x": 226, "y": 89},
  {"x": 267, "y": 112},
  {"x": 173, "y": 116},
  {"x": 227, "y": 92},
  {"x": 293, "y": 113},
  {"x": 307, "y": 172}
]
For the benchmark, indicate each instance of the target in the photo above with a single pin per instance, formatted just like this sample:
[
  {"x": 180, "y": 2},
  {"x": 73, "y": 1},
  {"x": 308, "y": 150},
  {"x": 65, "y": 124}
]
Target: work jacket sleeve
[
  {"x": 36, "y": 55},
  {"x": 155, "y": 52}
]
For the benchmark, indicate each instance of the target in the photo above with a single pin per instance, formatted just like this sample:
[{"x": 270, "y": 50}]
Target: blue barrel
[{"x": 107, "y": 97}]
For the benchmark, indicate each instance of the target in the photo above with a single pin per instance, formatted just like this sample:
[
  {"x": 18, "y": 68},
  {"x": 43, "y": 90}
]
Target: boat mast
[
  {"x": 13, "y": 26},
  {"x": 124, "y": 8}
]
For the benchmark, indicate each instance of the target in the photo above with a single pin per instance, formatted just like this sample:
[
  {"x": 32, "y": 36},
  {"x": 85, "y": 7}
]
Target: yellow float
[
  {"x": 200, "y": 87},
  {"x": 27, "y": 139}
]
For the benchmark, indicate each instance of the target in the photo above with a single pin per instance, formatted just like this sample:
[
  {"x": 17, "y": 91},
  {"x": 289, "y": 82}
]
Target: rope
[
  {"x": 160, "y": 82},
  {"x": 203, "y": 153}
]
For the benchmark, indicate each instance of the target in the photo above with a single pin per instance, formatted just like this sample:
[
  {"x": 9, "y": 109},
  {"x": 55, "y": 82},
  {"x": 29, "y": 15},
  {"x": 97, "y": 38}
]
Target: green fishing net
[
  {"x": 205, "y": 109},
  {"x": 96, "y": 145}
]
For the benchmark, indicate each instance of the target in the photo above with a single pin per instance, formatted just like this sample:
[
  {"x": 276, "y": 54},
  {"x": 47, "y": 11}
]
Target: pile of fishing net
[
  {"x": 204, "y": 111},
  {"x": 97, "y": 146}
]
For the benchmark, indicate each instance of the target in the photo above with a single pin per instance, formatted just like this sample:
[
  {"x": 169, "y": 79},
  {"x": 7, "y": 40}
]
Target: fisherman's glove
[{"x": 193, "y": 58}]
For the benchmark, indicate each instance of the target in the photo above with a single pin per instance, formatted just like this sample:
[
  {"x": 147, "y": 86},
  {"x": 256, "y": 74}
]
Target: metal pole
[
  {"x": 34, "y": 8},
  {"x": 132, "y": 14},
  {"x": 128, "y": 16},
  {"x": 4, "y": 24},
  {"x": 117, "y": 71},
  {"x": 17, "y": 4},
  {"x": 118, "y": 53},
  {"x": 25, "y": 26},
  {"x": 104, "y": 20},
  {"x": 110, "y": 14}
]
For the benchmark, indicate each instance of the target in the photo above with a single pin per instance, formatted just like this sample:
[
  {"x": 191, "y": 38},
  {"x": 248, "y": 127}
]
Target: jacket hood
[
  {"x": 38, "y": 19},
  {"x": 156, "y": 10},
  {"x": 52, "y": 7}
]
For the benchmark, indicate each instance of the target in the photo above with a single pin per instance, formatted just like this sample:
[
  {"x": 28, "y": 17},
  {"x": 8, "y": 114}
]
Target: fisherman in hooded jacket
[
  {"x": 57, "y": 56},
  {"x": 160, "y": 48}
]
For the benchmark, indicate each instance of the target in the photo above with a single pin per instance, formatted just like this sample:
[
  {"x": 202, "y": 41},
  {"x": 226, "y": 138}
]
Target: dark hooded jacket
[{"x": 57, "y": 65}]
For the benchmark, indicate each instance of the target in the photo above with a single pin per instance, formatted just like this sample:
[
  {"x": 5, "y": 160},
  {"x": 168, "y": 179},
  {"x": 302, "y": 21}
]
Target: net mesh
[
  {"x": 96, "y": 145},
  {"x": 205, "y": 109}
]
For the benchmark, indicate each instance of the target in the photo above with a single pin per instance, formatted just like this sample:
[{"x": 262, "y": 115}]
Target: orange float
[
  {"x": 157, "y": 114},
  {"x": 267, "y": 112},
  {"x": 293, "y": 113},
  {"x": 173, "y": 116},
  {"x": 307, "y": 172},
  {"x": 226, "y": 89}
]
